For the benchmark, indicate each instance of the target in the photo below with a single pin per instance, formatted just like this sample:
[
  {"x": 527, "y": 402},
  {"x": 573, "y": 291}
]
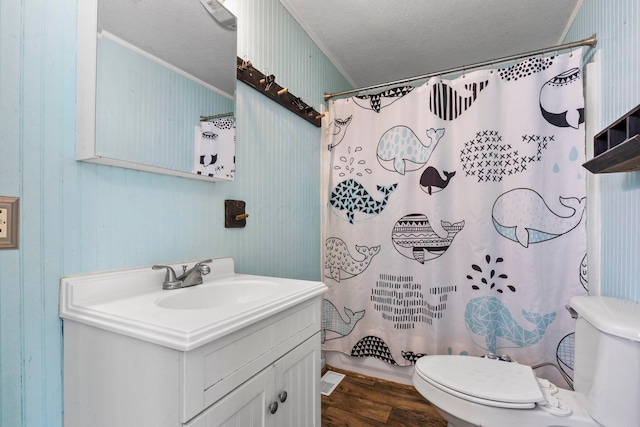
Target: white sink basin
[
  {"x": 218, "y": 295},
  {"x": 132, "y": 302}
]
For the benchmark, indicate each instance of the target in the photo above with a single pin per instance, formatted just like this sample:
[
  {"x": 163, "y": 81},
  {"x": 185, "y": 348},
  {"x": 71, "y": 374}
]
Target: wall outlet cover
[{"x": 9, "y": 222}]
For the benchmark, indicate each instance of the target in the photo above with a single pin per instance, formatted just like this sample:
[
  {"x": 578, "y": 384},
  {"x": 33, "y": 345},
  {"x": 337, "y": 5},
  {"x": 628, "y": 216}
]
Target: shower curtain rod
[
  {"x": 217, "y": 116},
  {"x": 591, "y": 41}
]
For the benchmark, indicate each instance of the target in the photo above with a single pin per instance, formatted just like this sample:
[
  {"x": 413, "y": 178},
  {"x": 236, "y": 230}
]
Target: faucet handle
[
  {"x": 170, "y": 280},
  {"x": 204, "y": 269}
]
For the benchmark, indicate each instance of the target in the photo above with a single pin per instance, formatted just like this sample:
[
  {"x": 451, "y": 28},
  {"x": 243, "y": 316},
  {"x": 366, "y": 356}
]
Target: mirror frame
[{"x": 86, "y": 81}]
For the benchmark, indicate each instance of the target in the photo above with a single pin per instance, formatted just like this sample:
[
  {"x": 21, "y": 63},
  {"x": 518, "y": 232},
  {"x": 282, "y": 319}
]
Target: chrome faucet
[{"x": 190, "y": 277}]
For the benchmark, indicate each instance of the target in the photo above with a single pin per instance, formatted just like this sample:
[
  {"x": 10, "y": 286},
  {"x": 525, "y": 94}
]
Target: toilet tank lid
[{"x": 613, "y": 316}]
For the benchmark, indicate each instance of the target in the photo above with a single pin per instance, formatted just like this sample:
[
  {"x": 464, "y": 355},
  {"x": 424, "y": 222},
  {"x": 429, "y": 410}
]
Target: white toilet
[{"x": 475, "y": 391}]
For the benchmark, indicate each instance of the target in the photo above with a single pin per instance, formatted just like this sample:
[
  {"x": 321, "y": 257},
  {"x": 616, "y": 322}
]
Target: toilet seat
[{"x": 482, "y": 380}]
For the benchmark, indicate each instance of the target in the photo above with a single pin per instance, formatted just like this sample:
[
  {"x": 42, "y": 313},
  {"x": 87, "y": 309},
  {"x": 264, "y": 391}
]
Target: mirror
[{"x": 147, "y": 71}]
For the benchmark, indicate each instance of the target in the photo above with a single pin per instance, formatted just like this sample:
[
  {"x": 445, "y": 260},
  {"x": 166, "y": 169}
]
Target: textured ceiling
[
  {"x": 180, "y": 32},
  {"x": 376, "y": 41}
]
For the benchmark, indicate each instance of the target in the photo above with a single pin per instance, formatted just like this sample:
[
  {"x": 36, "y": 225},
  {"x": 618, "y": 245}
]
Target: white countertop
[{"x": 124, "y": 302}]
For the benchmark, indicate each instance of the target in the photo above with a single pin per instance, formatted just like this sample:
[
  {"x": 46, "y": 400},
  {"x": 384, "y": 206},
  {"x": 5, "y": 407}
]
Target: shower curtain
[
  {"x": 456, "y": 216},
  {"x": 215, "y": 149}
]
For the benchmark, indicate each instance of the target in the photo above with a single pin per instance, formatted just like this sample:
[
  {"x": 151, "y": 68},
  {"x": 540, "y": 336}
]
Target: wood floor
[{"x": 361, "y": 401}]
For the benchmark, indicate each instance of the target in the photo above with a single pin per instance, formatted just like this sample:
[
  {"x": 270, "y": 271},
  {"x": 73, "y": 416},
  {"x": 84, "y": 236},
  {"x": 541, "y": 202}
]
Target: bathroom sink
[
  {"x": 132, "y": 302},
  {"x": 218, "y": 295}
]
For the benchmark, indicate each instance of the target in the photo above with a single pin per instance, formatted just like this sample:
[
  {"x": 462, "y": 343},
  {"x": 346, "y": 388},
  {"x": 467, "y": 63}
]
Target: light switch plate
[{"x": 9, "y": 222}]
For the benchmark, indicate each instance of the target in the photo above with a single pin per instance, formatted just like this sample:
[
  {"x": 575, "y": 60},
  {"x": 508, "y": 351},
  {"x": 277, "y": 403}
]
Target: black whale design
[{"x": 431, "y": 181}]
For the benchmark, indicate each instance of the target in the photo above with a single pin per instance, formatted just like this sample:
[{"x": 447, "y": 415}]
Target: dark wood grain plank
[
  {"x": 336, "y": 417},
  {"x": 360, "y": 399},
  {"x": 362, "y": 407},
  {"x": 422, "y": 418}
]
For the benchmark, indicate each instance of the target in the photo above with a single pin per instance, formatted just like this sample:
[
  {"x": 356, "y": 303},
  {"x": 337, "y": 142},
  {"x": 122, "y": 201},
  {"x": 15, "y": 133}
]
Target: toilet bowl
[{"x": 476, "y": 391}]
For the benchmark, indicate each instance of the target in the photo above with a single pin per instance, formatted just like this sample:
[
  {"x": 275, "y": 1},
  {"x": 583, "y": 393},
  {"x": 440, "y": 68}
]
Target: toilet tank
[{"x": 607, "y": 358}]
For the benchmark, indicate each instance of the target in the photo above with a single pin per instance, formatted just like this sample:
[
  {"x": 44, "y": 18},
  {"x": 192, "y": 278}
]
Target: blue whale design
[
  {"x": 489, "y": 318},
  {"x": 523, "y": 216},
  {"x": 400, "y": 150}
]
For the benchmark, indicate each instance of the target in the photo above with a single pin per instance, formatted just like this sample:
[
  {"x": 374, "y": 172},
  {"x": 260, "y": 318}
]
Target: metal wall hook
[
  {"x": 298, "y": 103},
  {"x": 244, "y": 65},
  {"x": 268, "y": 81}
]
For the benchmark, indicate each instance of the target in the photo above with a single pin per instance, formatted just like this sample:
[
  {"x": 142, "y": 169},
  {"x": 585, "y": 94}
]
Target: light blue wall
[
  {"x": 78, "y": 217},
  {"x": 617, "y": 24}
]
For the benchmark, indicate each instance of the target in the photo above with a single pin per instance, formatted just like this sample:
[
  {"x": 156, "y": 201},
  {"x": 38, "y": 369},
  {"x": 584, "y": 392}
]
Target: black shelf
[
  {"x": 624, "y": 157},
  {"x": 617, "y": 148}
]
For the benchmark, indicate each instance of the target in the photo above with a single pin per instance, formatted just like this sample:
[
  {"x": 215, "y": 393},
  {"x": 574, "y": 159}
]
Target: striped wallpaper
[
  {"x": 78, "y": 217},
  {"x": 617, "y": 24}
]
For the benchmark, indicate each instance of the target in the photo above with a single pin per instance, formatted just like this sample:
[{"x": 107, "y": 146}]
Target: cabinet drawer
[
  {"x": 245, "y": 406},
  {"x": 250, "y": 405},
  {"x": 217, "y": 368}
]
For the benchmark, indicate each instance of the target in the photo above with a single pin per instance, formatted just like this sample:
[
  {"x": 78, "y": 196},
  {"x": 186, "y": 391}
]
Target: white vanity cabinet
[
  {"x": 114, "y": 380},
  {"x": 285, "y": 394},
  {"x": 129, "y": 364}
]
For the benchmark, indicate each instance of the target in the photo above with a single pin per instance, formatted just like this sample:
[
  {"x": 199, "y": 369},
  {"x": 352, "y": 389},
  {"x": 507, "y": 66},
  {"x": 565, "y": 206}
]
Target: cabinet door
[
  {"x": 246, "y": 406},
  {"x": 298, "y": 374}
]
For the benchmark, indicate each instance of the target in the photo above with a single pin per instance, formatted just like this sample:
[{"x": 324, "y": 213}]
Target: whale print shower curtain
[{"x": 456, "y": 216}]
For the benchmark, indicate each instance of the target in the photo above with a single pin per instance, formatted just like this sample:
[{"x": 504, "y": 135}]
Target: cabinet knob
[
  {"x": 273, "y": 407},
  {"x": 282, "y": 396}
]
